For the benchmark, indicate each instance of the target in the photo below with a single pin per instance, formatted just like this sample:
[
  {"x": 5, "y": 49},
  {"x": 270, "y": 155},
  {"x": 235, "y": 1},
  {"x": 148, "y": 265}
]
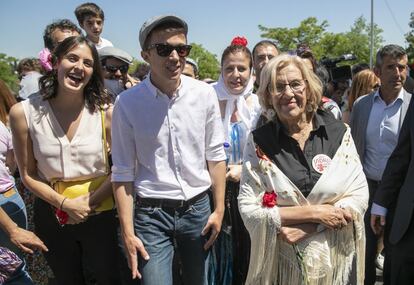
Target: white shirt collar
[{"x": 157, "y": 92}]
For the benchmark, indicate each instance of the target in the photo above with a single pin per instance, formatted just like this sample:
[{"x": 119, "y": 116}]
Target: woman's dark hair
[
  {"x": 236, "y": 48},
  {"x": 94, "y": 92}
]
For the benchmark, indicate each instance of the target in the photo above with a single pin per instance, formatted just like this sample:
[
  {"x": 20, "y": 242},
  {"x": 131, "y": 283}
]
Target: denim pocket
[{"x": 201, "y": 206}]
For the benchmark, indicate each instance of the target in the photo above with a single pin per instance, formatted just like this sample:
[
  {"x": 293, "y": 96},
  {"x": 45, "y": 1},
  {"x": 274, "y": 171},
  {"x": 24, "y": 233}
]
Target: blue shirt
[{"x": 382, "y": 135}]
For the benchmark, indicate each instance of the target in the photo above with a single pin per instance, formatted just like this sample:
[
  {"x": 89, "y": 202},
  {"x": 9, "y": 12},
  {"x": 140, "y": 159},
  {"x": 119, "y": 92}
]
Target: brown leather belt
[
  {"x": 170, "y": 203},
  {"x": 9, "y": 192}
]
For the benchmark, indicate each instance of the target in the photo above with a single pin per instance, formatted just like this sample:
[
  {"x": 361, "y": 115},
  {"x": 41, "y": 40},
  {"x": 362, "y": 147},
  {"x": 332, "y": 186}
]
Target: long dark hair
[{"x": 94, "y": 92}]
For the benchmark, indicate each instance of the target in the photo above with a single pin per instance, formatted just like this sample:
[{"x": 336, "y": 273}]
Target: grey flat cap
[
  {"x": 151, "y": 23},
  {"x": 115, "y": 52}
]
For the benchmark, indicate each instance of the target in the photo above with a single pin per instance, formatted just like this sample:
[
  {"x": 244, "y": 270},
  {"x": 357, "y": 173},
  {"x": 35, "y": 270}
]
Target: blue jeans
[
  {"x": 12, "y": 203},
  {"x": 165, "y": 230}
]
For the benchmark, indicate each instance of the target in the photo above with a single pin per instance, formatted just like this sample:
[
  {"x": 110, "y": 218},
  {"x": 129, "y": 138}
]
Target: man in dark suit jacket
[
  {"x": 396, "y": 194},
  {"x": 376, "y": 120}
]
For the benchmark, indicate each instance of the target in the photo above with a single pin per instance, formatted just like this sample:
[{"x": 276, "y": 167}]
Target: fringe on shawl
[{"x": 340, "y": 260}]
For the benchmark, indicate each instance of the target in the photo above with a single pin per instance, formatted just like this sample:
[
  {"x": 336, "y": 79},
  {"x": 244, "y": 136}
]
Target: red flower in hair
[
  {"x": 239, "y": 41},
  {"x": 269, "y": 199}
]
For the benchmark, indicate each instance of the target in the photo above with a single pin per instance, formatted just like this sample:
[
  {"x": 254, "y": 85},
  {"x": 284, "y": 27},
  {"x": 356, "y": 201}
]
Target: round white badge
[{"x": 321, "y": 162}]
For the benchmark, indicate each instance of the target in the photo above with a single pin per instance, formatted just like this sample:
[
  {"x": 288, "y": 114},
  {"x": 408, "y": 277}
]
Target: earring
[{"x": 270, "y": 113}]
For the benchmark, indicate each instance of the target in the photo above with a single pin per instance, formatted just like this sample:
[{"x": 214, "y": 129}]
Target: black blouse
[{"x": 325, "y": 138}]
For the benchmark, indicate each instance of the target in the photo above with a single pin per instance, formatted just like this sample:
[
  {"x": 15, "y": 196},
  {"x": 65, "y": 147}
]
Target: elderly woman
[{"x": 303, "y": 193}]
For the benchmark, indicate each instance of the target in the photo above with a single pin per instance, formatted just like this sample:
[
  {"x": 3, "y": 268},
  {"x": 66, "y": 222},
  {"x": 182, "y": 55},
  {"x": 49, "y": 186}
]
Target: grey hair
[{"x": 394, "y": 51}]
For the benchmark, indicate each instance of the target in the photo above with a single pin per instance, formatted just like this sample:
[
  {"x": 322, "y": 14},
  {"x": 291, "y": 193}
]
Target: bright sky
[{"x": 211, "y": 23}]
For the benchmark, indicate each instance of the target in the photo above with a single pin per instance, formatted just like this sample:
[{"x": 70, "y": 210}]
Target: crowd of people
[{"x": 283, "y": 171}]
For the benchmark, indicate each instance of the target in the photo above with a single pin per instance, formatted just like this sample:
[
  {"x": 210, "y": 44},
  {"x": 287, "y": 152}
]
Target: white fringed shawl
[{"x": 329, "y": 257}]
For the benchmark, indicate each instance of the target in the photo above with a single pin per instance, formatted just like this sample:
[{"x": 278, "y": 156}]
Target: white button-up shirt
[
  {"x": 382, "y": 134},
  {"x": 162, "y": 144}
]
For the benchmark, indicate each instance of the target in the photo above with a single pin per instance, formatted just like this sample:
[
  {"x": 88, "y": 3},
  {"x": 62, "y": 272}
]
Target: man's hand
[
  {"x": 296, "y": 233},
  {"x": 133, "y": 245},
  {"x": 26, "y": 240},
  {"x": 377, "y": 224},
  {"x": 214, "y": 227}
]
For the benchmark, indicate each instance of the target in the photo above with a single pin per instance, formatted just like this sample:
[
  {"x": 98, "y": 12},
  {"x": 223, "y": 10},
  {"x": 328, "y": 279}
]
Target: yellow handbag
[{"x": 73, "y": 189}]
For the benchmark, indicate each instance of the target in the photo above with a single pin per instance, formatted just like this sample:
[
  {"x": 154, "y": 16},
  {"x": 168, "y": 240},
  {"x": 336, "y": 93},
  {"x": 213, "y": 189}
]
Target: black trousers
[
  {"x": 399, "y": 258},
  {"x": 86, "y": 253},
  {"x": 240, "y": 235},
  {"x": 371, "y": 238}
]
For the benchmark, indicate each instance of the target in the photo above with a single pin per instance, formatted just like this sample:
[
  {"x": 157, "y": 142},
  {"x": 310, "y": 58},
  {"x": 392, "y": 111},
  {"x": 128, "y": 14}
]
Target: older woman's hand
[
  {"x": 296, "y": 233},
  {"x": 332, "y": 217}
]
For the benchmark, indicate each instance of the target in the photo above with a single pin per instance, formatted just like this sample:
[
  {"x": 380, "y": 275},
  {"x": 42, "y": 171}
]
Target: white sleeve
[
  {"x": 123, "y": 146},
  {"x": 214, "y": 137}
]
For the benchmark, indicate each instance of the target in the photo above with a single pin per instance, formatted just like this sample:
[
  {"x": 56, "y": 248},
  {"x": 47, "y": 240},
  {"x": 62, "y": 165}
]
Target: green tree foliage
[
  {"x": 134, "y": 65},
  {"x": 324, "y": 43},
  {"x": 7, "y": 74},
  {"x": 409, "y": 37},
  {"x": 309, "y": 31},
  {"x": 208, "y": 64}
]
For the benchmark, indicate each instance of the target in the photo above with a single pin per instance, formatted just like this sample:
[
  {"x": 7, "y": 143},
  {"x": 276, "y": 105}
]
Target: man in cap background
[
  {"x": 115, "y": 64},
  {"x": 167, "y": 150}
]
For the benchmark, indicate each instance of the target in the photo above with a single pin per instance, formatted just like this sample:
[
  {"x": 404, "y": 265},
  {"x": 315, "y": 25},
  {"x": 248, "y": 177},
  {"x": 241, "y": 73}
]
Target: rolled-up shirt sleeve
[
  {"x": 123, "y": 146},
  {"x": 378, "y": 210},
  {"x": 214, "y": 137}
]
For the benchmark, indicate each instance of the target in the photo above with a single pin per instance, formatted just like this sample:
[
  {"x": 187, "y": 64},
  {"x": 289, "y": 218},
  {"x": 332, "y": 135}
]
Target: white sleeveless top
[{"x": 56, "y": 157}]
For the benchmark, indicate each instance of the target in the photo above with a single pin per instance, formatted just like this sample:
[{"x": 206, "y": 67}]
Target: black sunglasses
[
  {"x": 113, "y": 69},
  {"x": 166, "y": 49}
]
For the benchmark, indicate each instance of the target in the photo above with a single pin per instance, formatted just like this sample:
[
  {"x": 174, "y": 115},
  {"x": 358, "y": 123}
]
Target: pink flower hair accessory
[
  {"x": 45, "y": 58},
  {"x": 239, "y": 41}
]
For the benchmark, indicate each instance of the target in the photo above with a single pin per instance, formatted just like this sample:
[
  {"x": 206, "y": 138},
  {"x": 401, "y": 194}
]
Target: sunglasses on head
[
  {"x": 113, "y": 69},
  {"x": 166, "y": 49}
]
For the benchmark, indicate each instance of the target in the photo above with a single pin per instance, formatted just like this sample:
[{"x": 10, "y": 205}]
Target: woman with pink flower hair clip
[
  {"x": 240, "y": 110},
  {"x": 61, "y": 134}
]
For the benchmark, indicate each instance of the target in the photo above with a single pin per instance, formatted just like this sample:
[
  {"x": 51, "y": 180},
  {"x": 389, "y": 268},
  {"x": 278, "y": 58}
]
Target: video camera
[{"x": 338, "y": 73}]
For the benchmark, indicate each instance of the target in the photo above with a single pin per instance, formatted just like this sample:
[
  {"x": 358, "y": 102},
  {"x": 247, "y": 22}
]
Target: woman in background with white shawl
[
  {"x": 303, "y": 193},
  {"x": 240, "y": 110}
]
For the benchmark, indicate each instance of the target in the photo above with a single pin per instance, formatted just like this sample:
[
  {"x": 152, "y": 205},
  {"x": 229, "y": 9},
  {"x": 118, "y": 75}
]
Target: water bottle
[
  {"x": 236, "y": 144},
  {"x": 227, "y": 150}
]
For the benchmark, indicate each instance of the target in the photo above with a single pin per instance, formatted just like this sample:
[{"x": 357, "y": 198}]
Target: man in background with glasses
[
  {"x": 167, "y": 150},
  {"x": 115, "y": 64}
]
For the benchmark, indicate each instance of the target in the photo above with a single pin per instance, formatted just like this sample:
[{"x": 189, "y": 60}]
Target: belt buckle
[{"x": 181, "y": 204}]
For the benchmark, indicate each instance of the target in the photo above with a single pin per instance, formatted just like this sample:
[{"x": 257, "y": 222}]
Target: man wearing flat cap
[
  {"x": 115, "y": 64},
  {"x": 167, "y": 150}
]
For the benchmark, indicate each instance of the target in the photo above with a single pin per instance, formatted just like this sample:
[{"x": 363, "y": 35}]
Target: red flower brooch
[
  {"x": 269, "y": 199},
  {"x": 239, "y": 41}
]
